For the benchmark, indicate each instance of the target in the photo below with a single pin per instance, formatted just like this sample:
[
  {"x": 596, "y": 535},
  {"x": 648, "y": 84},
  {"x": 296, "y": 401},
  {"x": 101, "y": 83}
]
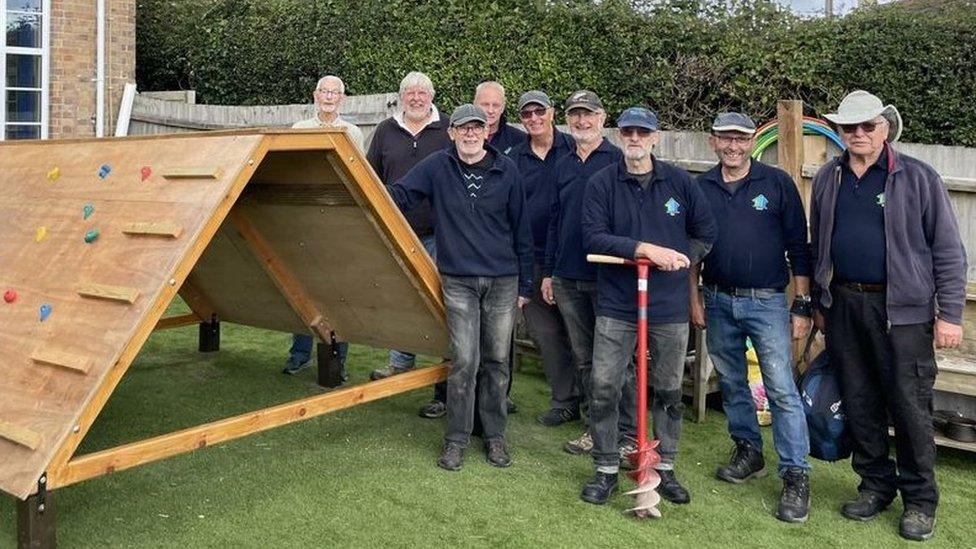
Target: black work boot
[
  {"x": 497, "y": 453},
  {"x": 599, "y": 489},
  {"x": 794, "y": 500},
  {"x": 867, "y": 506},
  {"x": 672, "y": 490},
  {"x": 746, "y": 462},
  {"x": 916, "y": 525},
  {"x": 452, "y": 455}
]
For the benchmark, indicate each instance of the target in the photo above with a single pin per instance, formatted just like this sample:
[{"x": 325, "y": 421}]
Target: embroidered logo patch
[
  {"x": 760, "y": 202},
  {"x": 881, "y": 199},
  {"x": 672, "y": 207}
]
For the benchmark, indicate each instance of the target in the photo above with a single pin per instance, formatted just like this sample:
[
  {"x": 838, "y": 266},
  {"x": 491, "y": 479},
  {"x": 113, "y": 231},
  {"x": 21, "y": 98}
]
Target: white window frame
[{"x": 44, "y": 52}]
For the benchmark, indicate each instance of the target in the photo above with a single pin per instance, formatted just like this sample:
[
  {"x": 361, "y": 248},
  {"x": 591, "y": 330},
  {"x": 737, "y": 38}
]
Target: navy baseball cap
[{"x": 638, "y": 117}]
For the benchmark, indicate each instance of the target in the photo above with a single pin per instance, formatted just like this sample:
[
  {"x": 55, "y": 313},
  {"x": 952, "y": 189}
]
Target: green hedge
[{"x": 682, "y": 60}]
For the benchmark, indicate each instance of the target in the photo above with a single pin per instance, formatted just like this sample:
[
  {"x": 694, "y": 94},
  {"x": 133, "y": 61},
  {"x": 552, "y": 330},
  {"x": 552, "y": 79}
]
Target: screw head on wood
[{"x": 172, "y": 282}]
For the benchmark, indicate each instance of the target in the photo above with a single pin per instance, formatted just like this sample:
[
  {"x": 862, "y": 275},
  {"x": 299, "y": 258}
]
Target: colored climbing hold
[
  {"x": 88, "y": 210},
  {"x": 45, "y": 312},
  {"x": 104, "y": 171},
  {"x": 10, "y": 296},
  {"x": 91, "y": 236},
  {"x": 53, "y": 174},
  {"x": 41, "y": 234},
  {"x": 145, "y": 172}
]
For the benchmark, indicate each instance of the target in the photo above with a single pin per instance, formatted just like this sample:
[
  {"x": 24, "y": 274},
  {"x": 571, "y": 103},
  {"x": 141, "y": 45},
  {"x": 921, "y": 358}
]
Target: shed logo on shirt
[
  {"x": 760, "y": 202},
  {"x": 880, "y": 199},
  {"x": 671, "y": 207}
]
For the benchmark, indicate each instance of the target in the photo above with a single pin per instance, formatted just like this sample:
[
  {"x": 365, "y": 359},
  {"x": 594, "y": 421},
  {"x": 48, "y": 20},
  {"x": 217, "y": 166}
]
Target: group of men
[{"x": 509, "y": 217}]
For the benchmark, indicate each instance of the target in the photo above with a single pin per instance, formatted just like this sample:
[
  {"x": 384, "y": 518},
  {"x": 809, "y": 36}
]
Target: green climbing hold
[{"x": 91, "y": 236}]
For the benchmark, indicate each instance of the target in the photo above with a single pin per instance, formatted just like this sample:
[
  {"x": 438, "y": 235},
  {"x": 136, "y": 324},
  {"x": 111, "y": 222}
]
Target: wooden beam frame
[
  {"x": 177, "y": 321},
  {"x": 194, "y": 438}
]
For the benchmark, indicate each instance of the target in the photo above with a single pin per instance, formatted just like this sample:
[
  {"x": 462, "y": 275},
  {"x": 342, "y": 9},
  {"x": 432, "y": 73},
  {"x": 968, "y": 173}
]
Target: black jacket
[{"x": 393, "y": 152}]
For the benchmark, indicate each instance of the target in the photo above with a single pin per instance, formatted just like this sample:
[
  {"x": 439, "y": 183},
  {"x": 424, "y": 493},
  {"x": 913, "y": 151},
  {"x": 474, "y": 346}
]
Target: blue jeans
[
  {"x": 480, "y": 318},
  {"x": 764, "y": 319},
  {"x": 301, "y": 349},
  {"x": 402, "y": 360}
]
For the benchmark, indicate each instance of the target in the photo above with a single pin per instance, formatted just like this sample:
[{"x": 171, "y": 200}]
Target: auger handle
[{"x": 610, "y": 259}]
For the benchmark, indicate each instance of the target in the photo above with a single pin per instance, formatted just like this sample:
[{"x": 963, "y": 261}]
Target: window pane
[
  {"x": 24, "y": 5},
  {"x": 23, "y": 106},
  {"x": 23, "y": 132},
  {"x": 23, "y": 71},
  {"x": 24, "y": 30}
]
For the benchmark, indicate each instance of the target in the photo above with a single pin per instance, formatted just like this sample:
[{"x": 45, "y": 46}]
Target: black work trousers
[{"x": 885, "y": 371}]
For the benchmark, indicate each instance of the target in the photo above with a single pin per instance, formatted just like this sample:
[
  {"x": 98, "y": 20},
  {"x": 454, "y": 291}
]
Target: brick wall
[{"x": 73, "y": 64}]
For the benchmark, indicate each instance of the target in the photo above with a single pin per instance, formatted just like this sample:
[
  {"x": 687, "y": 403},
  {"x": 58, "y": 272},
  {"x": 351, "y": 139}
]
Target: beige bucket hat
[{"x": 861, "y": 106}]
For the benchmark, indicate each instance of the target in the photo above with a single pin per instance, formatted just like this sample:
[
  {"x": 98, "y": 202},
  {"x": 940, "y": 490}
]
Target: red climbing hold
[{"x": 10, "y": 296}]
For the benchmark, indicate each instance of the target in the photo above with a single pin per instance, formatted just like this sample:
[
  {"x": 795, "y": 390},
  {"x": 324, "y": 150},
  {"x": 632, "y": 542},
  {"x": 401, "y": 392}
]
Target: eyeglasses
[
  {"x": 867, "y": 127},
  {"x": 635, "y": 130},
  {"x": 471, "y": 129},
  {"x": 729, "y": 139},
  {"x": 527, "y": 114},
  {"x": 328, "y": 92}
]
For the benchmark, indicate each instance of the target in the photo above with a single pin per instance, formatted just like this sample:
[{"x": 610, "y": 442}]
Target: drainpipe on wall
[{"x": 100, "y": 70}]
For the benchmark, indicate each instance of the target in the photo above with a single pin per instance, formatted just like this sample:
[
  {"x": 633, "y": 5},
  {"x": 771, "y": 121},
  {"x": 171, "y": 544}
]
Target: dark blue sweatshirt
[
  {"x": 507, "y": 138},
  {"x": 758, "y": 227},
  {"x": 565, "y": 257},
  {"x": 618, "y": 214},
  {"x": 482, "y": 226},
  {"x": 857, "y": 248},
  {"x": 540, "y": 189}
]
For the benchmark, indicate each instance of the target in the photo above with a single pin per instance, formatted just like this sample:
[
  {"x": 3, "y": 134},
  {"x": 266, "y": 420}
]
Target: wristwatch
[{"x": 802, "y": 306}]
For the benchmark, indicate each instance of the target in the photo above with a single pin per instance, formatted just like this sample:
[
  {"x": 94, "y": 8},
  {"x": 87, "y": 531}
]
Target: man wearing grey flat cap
[
  {"x": 889, "y": 281},
  {"x": 744, "y": 297},
  {"x": 485, "y": 261}
]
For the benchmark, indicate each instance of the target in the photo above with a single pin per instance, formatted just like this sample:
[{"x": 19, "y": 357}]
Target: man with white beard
[
  {"x": 641, "y": 207},
  {"x": 569, "y": 281},
  {"x": 398, "y": 144}
]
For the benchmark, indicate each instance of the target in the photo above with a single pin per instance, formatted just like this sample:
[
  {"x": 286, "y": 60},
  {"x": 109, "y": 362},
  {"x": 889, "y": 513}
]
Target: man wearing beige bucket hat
[{"x": 889, "y": 281}]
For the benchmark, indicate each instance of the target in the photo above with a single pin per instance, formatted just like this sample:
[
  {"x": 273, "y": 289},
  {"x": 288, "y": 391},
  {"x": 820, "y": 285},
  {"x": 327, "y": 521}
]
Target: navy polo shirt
[
  {"x": 858, "y": 247},
  {"x": 759, "y": 226},
  {"x": 565, "y": 257},
  {"x": 540, "y": 189},
  {"x": 618, "y": 214}
]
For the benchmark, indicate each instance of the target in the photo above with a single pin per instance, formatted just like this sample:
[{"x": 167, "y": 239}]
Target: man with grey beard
[{"x": 569, "y": 281}]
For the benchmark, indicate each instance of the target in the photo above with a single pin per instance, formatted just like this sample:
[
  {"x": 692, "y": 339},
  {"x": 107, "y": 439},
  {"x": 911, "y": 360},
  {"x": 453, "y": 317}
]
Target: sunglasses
[
  {"x": 867, "y": 127},
  {"x": 527, "y": 114},
  {"x": 642, "y": 132}
]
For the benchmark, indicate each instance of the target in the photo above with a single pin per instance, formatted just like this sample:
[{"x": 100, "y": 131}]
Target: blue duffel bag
[{"x": 824, "y": 409}]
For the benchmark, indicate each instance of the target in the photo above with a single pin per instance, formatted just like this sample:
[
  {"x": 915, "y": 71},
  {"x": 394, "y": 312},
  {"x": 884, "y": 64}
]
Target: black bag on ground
[{"x": 824, "y": 409}]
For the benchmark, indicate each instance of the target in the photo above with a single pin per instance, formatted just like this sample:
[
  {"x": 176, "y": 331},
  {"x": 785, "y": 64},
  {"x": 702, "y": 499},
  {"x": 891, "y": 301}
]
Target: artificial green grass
[{"x": 365, "y": 477}]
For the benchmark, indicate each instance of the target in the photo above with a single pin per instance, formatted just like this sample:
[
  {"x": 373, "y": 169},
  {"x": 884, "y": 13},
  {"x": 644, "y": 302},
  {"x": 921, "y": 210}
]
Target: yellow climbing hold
[
  {"x": 54, "y": 174},
  {"x": 41, "y": 234}
]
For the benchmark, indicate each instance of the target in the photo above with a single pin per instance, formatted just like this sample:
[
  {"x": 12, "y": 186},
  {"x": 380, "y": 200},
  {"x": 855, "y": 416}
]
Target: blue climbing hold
[
  {"x": 45, "y": 312},
  {"x": 104, "y": 171}
]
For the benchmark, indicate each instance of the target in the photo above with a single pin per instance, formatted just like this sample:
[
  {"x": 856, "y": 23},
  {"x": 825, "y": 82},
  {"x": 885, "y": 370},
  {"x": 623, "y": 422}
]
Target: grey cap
[
  {"x": 584, "y": 99},
  {"x": 468, "y": 113},
  {"x": 638, "y": 117},
  {"x": 733, "y": 122},
  {"x": 534, "y": 96}
]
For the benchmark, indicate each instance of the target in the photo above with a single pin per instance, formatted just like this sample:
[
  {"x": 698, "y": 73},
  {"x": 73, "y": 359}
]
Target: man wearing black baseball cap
[
  {"x": 485, "y": 262},
  {"x": 641, "y": 207},
  {"x": 744, "y": 291},
  {"x": 569, "y": 281}
]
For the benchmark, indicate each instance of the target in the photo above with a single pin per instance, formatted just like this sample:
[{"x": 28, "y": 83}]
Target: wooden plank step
[
  {"x": 111, "y": 293},
  {"x": 160, "y": 228},
  {"x": 20, "y": 435},
  {"x": 62, "y": 359},
  {"x": 192, "y": 172}
]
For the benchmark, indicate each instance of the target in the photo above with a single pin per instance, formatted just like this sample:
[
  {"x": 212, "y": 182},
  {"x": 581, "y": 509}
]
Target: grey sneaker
[
  {"x": 292, "y": 366},
  {"x": 434, "y": 409},
  {"x": 389, "y": 371},
  {"x": 579, "y": 446},
  {"x": 627, "y": 447}
]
